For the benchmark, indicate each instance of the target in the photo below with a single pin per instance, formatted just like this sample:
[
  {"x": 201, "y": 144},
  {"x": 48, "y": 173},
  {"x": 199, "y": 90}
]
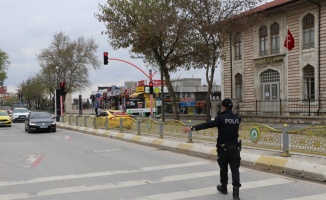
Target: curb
[{"x": 267, "y": 163}]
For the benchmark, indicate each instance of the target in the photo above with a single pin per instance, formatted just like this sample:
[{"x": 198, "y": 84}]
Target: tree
[
  {"x": 214, "y": 21},
  {"x": 34, "y": 91},
  {"x": 155, "y": 30},
  {"x": 173, "y": 34},
  {"x": 68, "y": 61},
  {"x": 4, "y": 64}
]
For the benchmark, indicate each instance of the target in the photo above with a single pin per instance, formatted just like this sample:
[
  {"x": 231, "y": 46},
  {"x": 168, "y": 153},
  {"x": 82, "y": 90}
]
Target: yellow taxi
[
  {"x": 5, "y": 119},
  {"x": 114, "y": 117}
]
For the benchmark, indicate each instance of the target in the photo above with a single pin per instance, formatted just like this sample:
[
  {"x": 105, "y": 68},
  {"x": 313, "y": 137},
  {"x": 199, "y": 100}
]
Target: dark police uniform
[{"x": 227, "y": 145}]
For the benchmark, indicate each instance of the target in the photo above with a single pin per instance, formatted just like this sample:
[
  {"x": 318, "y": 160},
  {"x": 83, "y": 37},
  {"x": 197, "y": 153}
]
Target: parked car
[
  {"x": 40, "y": 121},
  {"x": 5, "y": 119},
  {"x": 7, "y": 109},
  {"x": 114, "y": 117},
  {"x": 19, "y": 114}
]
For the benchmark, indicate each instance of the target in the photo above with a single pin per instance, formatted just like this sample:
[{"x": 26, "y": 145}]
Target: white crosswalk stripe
[
  {"x": 312, "y": 197},
  {"x": 212, "y": 190},
  {"x": 99, "y": 174},
  {"x": 48, "y": 192}
]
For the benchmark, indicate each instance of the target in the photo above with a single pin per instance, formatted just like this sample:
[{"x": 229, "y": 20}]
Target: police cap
[{"x": 227, "y": 103}]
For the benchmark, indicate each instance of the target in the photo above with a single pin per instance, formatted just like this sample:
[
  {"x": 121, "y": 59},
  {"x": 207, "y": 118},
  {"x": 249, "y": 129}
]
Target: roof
[{"x": 272, "y": 4}]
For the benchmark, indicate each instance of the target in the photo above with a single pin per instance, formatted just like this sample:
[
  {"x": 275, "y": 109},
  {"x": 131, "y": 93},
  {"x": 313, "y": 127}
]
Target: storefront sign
[{"x": 134, "y": 103}]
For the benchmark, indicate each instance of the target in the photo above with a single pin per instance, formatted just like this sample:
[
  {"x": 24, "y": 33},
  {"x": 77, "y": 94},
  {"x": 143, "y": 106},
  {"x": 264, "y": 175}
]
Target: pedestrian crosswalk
[{"x": 126, "y": 180}]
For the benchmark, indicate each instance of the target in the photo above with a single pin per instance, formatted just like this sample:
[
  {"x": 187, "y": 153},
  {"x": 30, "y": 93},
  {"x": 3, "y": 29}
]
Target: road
[{"x": 76, "y": 166}]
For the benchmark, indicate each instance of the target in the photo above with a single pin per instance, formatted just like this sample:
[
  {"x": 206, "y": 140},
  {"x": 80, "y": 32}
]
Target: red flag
[{"x": 289, "y": 41}]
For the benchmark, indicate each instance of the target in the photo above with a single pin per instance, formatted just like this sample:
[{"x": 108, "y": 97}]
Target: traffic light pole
[
  {"x": 150, "y": 76},
  {"x": 150, "y": 94}
]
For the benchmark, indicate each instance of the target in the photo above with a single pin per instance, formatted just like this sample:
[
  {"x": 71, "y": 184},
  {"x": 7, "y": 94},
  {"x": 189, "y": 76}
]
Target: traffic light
[
  {"x": 106, "y": 58},
  {"x": 151, "y": 87},
  {"x": 62, "y": 88}
]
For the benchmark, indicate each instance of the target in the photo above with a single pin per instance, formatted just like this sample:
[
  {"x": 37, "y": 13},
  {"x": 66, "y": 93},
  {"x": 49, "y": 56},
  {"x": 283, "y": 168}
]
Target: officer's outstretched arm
[{"x": 208, "y": 124}]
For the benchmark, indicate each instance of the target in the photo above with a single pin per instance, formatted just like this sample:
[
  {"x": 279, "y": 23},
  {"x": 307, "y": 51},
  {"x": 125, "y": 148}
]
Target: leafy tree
[
  {"x": 68, "y": 61},
  {"x": 4, "y": 64},
  {"x": 155, "y": 30},
  {"x": 173, "y": 34},
  {"x": 34, "y": 91},
  {"x": 214, "y": 21}
]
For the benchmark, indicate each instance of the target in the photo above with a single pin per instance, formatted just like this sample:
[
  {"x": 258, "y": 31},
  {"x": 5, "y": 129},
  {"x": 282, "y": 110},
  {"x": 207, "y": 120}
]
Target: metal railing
[
  {"x": 311, "y": 140},
  {"x": 303, "y": 107}
]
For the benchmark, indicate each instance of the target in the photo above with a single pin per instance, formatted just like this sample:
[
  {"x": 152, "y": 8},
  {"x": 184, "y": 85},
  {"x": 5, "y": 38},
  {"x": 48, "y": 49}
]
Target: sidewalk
[{"x": 300, "y": 165}]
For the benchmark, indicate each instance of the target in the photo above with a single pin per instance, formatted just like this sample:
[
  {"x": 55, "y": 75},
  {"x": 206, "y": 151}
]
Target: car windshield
[
  {"x": 40, "y": 115},
  {"x": 20, "y": 110},
  {"x": 3, "y": 113}
]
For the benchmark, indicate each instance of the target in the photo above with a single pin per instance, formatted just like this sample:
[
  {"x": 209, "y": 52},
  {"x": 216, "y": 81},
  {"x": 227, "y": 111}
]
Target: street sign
[{"x": 98, "y": 95}]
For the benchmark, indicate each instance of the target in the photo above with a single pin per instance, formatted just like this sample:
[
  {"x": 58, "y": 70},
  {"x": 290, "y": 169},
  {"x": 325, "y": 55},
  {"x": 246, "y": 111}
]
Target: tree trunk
[
  {"x": 172, "y": 94},
  {"x": 209, "y": 79}
]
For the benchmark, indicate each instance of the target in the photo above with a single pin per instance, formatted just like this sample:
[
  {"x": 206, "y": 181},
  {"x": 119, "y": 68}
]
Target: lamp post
[{"x": 55, "y": 94}]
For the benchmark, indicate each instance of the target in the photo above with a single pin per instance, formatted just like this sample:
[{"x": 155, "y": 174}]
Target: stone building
[{"x": 263, "y": 76}]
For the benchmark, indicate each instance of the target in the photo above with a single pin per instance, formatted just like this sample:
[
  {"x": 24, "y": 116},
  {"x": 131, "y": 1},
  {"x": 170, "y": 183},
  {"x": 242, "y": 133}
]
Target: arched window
[
  {"x": 309, "y": 31},
  {"x": 309, "y": 82},
  {"x": 270, "y": 85},
  {"x": 263, "y": 38},
  {"x": 238, "y": 85},
  {"x": 275, "y": 33},
  {"x": 238, "y": 46}
]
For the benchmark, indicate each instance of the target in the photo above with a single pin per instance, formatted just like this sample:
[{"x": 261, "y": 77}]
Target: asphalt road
[{"x": 75, "y": 166}]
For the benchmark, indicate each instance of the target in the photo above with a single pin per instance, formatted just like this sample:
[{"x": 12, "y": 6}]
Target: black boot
[
  {"x": 222, "y": 189},
  {"x": 236, "y": 193}
]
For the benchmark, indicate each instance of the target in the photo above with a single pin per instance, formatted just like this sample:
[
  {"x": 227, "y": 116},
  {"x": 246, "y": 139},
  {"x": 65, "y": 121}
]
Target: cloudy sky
[{"x": 27, "y": 26}]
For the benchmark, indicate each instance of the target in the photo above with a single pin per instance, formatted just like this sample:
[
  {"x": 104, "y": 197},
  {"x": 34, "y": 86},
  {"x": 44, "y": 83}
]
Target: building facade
[{"x": 264, "y": 76}]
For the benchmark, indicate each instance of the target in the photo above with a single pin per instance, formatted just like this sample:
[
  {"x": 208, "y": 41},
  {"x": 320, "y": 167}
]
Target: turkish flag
[{"x": 289, "y": 41}]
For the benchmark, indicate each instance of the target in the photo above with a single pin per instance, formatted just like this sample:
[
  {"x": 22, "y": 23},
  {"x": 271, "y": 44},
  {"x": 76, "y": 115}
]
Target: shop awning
[{"x": 136, "y": 94}]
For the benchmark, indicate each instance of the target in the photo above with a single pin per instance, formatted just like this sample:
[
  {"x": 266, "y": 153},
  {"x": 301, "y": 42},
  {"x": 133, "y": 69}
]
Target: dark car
[{"x": 40, "y": 121}]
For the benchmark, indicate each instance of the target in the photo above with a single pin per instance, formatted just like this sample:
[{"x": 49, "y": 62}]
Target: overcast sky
[{"x": 27, "y": 26}]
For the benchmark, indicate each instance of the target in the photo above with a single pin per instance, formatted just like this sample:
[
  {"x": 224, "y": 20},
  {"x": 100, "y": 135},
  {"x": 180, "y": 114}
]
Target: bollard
[
  {"x": 121, "y": 127},
  {"x": 285, "y": 136},
  {"x": 76, "y": 120},
  {"x": 161, "y": 129},
  {"x": 85, "y": 121},
  {"x": 94, "y": 123},
  {"x": 189, "y": 133},
  {"x": 106, "y": 124},
  {"x": 69, "y": 120},
  {"x": 138, "y": 126}
]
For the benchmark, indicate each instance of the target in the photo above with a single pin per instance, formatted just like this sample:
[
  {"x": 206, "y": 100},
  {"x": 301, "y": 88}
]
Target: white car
[{"x": 19, "y": 114}]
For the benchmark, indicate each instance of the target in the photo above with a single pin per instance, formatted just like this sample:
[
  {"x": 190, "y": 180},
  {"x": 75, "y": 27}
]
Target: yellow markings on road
[
  {"x": 157, "y": 142},
  {"x": 183, "y": 146},
  {"x": 136, "y": 138},
  {"x": 271, "y": 163}
]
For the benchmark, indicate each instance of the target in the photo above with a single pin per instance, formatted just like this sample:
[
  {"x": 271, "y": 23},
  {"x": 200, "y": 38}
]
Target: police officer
[{"x": 228, "y": 147}]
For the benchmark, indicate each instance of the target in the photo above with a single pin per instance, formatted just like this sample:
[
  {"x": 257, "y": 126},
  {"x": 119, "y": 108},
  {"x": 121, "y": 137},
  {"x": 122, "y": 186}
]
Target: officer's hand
[{"x": 186, "y": 129}]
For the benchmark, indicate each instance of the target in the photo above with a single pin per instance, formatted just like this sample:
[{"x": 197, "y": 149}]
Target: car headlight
[
  {"x": 32, "y": 124},
  {"x": 53, "y": 122}
]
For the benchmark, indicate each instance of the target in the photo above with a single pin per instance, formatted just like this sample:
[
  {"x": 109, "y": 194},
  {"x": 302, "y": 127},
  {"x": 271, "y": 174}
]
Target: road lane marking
[
  {"x": 99, "y": 174},
  {"x": 83, "y": 188},
  {"x": 212, "y": 190},
  {"x": 312, "y": 197}
]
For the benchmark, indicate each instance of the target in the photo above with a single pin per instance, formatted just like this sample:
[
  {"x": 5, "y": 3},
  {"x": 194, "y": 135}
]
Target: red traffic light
[
  {"x": 106, "y": 58},
  {"x": 62, "y": 84},
  {"x": 151, "y": 87}
]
